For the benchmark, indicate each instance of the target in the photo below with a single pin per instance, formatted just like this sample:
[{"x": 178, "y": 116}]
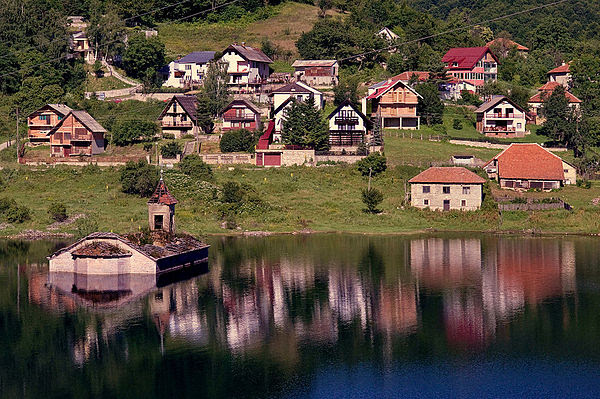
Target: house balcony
[
  {"x": 39, "y": 124},
  {"x": 176, "y": 124},
  {"x": 238, "y": 117},
  {"x": 500, "y": 116},
  {"x": 346, "y": 120},
  {"x": 81, "y": 137},
  {"x": 499, "y": 129}
]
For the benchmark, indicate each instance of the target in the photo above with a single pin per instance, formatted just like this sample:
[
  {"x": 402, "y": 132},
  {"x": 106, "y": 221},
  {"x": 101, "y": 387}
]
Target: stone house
[
  {"x": 179, "y": 116},
  {"x": 43, "y": 120},
  {"x": 537, "y": 100},
  {"x": 501, "y": 117},
  {"x": 447, "y": 188},
  {"x": 502, "y": 46},
  {"x": 561, "y": 75},
  {"x": 524, "y": 166},
  {"x": 77, "y": 134},
  {"x": 395, "y": 102},
  {"x": 79, "y": 45}
]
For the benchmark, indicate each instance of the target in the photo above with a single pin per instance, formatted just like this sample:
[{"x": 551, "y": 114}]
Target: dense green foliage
[
  {"x": 129, "y": 131},
  {"x": 11, "y": 212},
  {"x": 371, "y": 197},
  {"x": 372, "y": 165},
  {"x": 239, "y": 140},
  {"x": 430, "y": 107},
  {"x": 139, "y": 178},
  {"x": 171, "y": 149},
  {"x": 193, "y": 166},
  {"x": 58, "y": 211},
  {"x": 304, "y": 126},
  {"x": 143, "y": 57}
]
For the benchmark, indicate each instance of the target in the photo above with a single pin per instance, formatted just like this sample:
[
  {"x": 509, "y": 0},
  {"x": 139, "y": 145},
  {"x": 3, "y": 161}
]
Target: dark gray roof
[
  {"x": 60, "y": 109},
  {"x": 346, "y": 102},
  {"x": 291, "y": 88},
  {"x": 495, "y": 101},
  {"x": 242, "y": 102},
  {"x": 283, "y": 105},
  {"x": 89, "y": 122},
  {"x": 187, "y": 102},
  {"x": 198, "y": 57},
  {"x": 250, "y": 53}
]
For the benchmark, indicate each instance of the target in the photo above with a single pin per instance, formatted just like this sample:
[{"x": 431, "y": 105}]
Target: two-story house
[
  {"x": 447, "y": 188},
  {"x": 43, "y": 120},
  {"x": 501, "y": 117},
  {"x": 179, "y": 116},
  {"x": 394, "y": 102},
  {"x": 247, "y": 67},
  {"x": 241, "y": 114},
  {"x": 537, "y": 100},
  {"x": 316, "y": 72},
  {"x": 282, "y": 98},
  {"x": 475, "y": 65},
  {"x": 80, "y": 45},
  {"x": 502, "y": 46},
  {"x": 77, "y": 134},
  {"x": 348, "y": 127},
  {"x": 189, "y": 70},
  {"x": 561, "y": 75}
]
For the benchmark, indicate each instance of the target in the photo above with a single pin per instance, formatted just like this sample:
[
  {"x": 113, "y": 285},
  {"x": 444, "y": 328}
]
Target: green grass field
[{"x": 94, "y": 83}]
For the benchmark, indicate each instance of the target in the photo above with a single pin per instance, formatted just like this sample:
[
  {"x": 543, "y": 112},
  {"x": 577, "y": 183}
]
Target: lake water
[{"x": 326, "y": 316}]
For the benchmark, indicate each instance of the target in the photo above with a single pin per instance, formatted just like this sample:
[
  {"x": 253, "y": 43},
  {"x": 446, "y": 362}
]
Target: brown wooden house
[
  {"x": 240, "y": 114},
  {"x": 42, "y": 121},
  {"x": 395, "y": 102},
  {"x": 77, "y": 134}
]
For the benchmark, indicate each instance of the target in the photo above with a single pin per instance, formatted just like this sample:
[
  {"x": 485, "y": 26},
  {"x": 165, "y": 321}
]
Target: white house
[
  {"x": 248, "y": 67},
  {"x": 282, "y": 98},
  {"x": 348, "y": 127},
  {"x": 188, "y": 70},
  {"x": 501, "y": 117},
  {"x": 388, "y": 35}
]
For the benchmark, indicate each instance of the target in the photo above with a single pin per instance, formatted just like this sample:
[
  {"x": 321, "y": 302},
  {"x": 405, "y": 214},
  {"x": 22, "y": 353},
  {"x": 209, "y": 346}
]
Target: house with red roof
[
  {"x": 502, "y": 46},
  {"x": 524, "y": 166},
  {"x": 247, "y": 67},
  {"x": 475, "y": 65},
  {"x": 395, "y": 102},
  {"x": 240, "y": 114},
  {"x": 561, "y": 75},
  {"x": 447, "y": 188},
  {"x": 179, "y": 117},
  {"x": 544, "y": 92},
  {"x": 501, "y": 117}
]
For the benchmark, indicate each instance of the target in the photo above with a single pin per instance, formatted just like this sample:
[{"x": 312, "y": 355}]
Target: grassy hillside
[{"x": 283, "y": 28}]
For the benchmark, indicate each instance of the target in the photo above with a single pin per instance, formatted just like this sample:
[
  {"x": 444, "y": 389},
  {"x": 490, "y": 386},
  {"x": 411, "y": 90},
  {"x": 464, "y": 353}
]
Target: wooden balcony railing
[
  {"x": 346, "y": 120},
  {"x": 176, "y": 124}
]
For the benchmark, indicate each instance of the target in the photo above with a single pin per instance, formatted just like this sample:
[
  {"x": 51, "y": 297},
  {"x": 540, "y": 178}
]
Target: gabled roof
[
  {"x": 314, "y": 63},
  {"x": 347, "y": 102},
  {"x": 84, "y": 118},
  {"x": 527, "y": 161},
  {"x": 243, "y": 102},
  {"x": 564, "y": 68},
  {"x": 60, "y": 109},
  {"x": 421, "y": 76},
  {"x": 267, "y": 137},
  {"x": 188, "y": 104},
  {"x": 385, "y": 31},
  {"x": 495, "y": 101},
  {"x": 450, "y": 175},
  {"x": 507, "y": 43},
  {"x": 389, "y": 84},
  {"x": 283, "y": 105},
  {"x": 466, "y": 57},
  {"x": 297, "y": 87},
  {"x": 250, "y": 53},
  {"x": 546, "y": 91},
  {"x": 197, "y": 57},
  {"x": 162, "y": 195}
]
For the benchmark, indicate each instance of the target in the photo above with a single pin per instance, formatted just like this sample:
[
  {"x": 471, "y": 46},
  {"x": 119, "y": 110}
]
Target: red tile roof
[
  {"x": 267, "y": 137},
  {"x": 466, "y": 57},
  {"x": 502, "y": 41},
  {"x": 564, "y": 68},
  {"x": 162, "y": 195},
  {"x": 451, "y": 175},
  {"x": 546, "y": 91},
  {"x": 384, "y": 86},
  {"x": 528, "y": 162},
  {"x": 422, "y": 76}
]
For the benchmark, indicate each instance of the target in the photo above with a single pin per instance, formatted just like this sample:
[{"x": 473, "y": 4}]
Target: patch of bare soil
[{"x": 68, "y": 221}]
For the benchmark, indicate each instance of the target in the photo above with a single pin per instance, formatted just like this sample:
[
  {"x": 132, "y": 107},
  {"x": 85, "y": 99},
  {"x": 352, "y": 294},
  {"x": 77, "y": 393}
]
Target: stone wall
[
  {"x": 436, "y": 196},
  {"x": 298, "y": 157},
  {"x": 226, "y": 159},
  {"x": 339, "y": 158}
]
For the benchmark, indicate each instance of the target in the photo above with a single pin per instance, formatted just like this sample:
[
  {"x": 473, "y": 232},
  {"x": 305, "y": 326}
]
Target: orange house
[
  {"x": 40, "y": 122},
  {"x": 77, "y": 134},
  {"x": 395, "y": 102}
]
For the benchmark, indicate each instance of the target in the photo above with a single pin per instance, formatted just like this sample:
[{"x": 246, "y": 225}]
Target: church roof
[{"x": 162, "y": 195}]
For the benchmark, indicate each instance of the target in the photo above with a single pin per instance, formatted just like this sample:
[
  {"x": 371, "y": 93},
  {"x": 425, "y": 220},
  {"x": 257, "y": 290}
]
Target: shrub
[
  {"x": 194, "y": 166},
  {"x": 139, "y": 178},
  {"x": 170, "y": 150},
  {"x": 375, "y": 162},
  {"x": 241, "y": 140},
  {"x": 168, "y": 136},
  {"x": 466, "y": 97},
  {"x": 457, "y": 124},
  {"x": 13, "y": 213},
  {"x": 86, "y": 226},
  {"x": 129, "y": 131},
  {"x": 232, "y": 193},
  {"x": 91, "y": 169},
  {"x": 361, "y": 149},
  {"x": 371, "y": 198},
  {"x": 58, "y": 211},
  {"x": 584, "y": 183},
  {"x": 518, "y": 200}
]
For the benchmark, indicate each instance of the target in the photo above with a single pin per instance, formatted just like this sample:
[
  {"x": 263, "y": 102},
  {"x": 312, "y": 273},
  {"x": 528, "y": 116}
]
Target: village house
[
  {"x": 187, "y": 71},
  {"x": 388, "y": 35},
  {"x": 240, "y": 114},
  {"x": 501, "y": 117},
  {"x": 77, "y": 134},
  {"x": 80, "y": 46},
  {"x": 316, "y": 72},
  {"x": 283, "y": 97},
  {"x": 394, "y": 102},
  {"x": 179, "y": 116},
  {"x": 348, "y": 127},
  {"x": 537, "y": 100},
  {"x": 447, "y": 188},
  {"x": 561, "y": 75},
  {"x": 248, "y": 67},
  {"x": 475, "y": 65},
  {"x": 271, "y": 153},
  {"x": 502, "y": 47},
  {"x": 76, "y": 22},
  {"x": 43, "y": 120},
  {"x": 453, "y": 89},
  {"x": 524, "y": 166}
]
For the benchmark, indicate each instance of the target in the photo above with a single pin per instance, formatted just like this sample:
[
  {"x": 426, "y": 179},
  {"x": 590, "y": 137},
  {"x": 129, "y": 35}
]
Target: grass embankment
[
  {"x": 282, "y": 27},
  {"x": 321, "y": 199},
  {"x": 104, "y": 83}
]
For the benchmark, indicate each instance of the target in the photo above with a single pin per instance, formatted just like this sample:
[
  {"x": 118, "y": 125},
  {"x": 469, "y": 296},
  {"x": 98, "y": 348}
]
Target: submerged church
[{"x": 159, "y": 251}]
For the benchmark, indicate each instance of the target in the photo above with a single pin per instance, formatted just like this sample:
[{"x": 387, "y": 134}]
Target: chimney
[{"x": 244, "y": 44}]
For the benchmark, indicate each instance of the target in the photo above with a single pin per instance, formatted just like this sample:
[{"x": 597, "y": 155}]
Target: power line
[{"x": 454, "y": 30}]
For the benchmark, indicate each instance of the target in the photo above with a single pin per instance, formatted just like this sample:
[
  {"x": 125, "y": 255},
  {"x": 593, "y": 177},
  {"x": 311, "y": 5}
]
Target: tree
[
  {"x": 377, "y": 134},
  {"x": 346, "y": 89},
  {"x": 192, "y": 165},
  {"x": 127, "y": 132},
  {"x": 372, "y": 165},
  {"x": 170, "y": 150},
  {"x": 9, "y": 64},
  {"x": 143, "y": 55},
  {"x": 586, "y": 81},
  {"x": 215, "y": 87},
  {"x": 58, "y": 211},
  {"x": 106, "y": 31},
  {"x": 239, "y": 140},
  {"x": 139, "y": 178},
  {"x": 430, "y": 106},
  {"x": 204, "y": 113},
  {"x": 303, "y": 125},
  {"x": 561, "y": 122},
  {"x": 371, "y": 197}
]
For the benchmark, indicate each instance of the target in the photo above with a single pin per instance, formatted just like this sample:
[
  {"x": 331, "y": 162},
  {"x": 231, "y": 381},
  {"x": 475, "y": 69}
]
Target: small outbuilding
[{"x": 447, "y": 188}]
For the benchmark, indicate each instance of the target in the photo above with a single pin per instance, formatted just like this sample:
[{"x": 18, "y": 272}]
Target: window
[
  {"x": 446, "y": 189},
  {"x": 426, "y": 202},
  {"x": 426, "y": 189},
  {"x": 566, "y": 170},
  {"x": 519, "y": 125},
  {"x": 466, "y": 190},
  {"x": 188, "y": 67},
  {"x": 158, "y": 222},
  {"x": 463, "y": 202},
  {"x": 60, "y": 117}
]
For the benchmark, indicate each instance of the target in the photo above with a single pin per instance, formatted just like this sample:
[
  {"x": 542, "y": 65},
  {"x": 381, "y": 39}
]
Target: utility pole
[
  {"x": 17, "y": 140},
  {"x": 370, "y": 171}
]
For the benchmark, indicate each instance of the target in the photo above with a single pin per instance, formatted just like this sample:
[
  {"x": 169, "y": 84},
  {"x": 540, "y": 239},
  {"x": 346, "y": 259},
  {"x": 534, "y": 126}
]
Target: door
[
  {"x": 272, "y": 159},
  {"x": 158, "y": 222},
  {"x": 259, "y": 159},
  {"x": 446, "y": 205},
  {"x": 67, "y": 151}
]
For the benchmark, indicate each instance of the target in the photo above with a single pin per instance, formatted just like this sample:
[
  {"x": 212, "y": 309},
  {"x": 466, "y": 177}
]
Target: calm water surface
[{"x": 327, "y": 316}]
